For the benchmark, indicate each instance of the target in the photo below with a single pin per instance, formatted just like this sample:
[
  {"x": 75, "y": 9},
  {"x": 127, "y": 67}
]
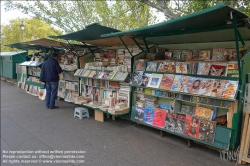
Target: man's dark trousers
[{"x": 51, "y": 93}]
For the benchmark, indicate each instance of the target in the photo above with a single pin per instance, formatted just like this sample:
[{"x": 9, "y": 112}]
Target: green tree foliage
[
  {"x": 74, "y": 15},
  {"x": 34, "y": 29}
]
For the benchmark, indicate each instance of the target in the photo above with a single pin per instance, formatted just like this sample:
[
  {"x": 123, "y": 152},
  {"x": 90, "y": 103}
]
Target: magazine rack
[{"x": 217, "y": 27}]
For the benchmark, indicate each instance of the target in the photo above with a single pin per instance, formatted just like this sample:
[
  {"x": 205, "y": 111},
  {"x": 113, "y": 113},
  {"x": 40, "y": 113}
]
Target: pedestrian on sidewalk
[{"x": 50, "y": 76}]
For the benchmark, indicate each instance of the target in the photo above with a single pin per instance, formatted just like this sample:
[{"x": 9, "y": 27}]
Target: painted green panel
[{"x": 35, "y": 84}]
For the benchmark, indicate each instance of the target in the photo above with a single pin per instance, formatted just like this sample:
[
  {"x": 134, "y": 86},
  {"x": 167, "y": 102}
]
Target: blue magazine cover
[{"x": 148, "y": 114}]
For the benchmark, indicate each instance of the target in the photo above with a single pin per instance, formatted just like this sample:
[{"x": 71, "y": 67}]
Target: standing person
[{"x": 50, "y": 75}]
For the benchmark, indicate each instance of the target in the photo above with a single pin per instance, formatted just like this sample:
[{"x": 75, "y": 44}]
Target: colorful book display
[
  {"x": 155, "y": 80},
  {"x": 167, "y": 81},
  {"x": 151, "y": 66}
]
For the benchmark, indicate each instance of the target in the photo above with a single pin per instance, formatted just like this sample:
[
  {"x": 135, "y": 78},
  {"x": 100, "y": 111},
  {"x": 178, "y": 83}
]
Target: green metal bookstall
[{"x": 216, "y": 27}]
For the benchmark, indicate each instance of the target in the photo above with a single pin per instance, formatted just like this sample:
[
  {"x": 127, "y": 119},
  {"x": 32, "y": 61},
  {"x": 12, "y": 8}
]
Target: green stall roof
[
  {"x": 211, "y": 19},
  {"x": 92, "y": 35},
  {"x": 90, "y": 32},
  {"x": 23, "y": 46}
]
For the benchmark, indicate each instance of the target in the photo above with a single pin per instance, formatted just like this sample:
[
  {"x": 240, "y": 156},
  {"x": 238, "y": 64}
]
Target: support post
[
  {"x": 125, "y": 46},
  {"x": 137, "y": 43},
  {"x": 145, "y": 43},
  {"x": 88, "y": 47}
]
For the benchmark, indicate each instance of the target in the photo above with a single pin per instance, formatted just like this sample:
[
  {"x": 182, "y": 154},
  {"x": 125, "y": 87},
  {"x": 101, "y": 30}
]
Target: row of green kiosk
[{"x": 218, "y": 27}]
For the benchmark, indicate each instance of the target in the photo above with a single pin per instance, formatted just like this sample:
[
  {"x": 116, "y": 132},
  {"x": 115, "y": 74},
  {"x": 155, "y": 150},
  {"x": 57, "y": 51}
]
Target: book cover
[
  {"x": 117, "y": 76},
  {"x": 137, "y": 77},
  {"x": 139, "y": 112},
  {"x": 194, "y": 67},
  {"x": 148, "y": 114},
  {"x": 176, "y": 83},
  {"x": 92, "y": 74},
  {"x": 155, "y": 80},
  {"x": 180, "y": 122},
  {"x": 151, "y": 66},
  {"x": 203, "y": 112},
  {"x": 205, "y": 54},
  {"x": 170, "y": 122},
  {"x": 194, "y": 127},
  {"x": 141, "y": 64},
  {"x": 167, "y": 81},
  {"x": 111, "y": 75},
  {"x": 218, "y": 87},
  {"x": 187, "y": 109},
  {"x": 232, "y": 69},
  {"x": 207, "y": 130},
  {"x": 168, "y": 55},
  {"x": 193, "y": 85},
  {"x": 203, "y": 68},
  {"x": 181, "y": 67},
  {"x": 184, "y": 83},
  {"x": 206, "y": 86},
  {"x": 145, "y": 79},
  {"x": 105, "y": 75},
  {"x": 195, "y": 54},
  {"x": 230, "y": 89},
  {"x": 159, "y": 117},
  {"x": 218, "y": 69},
  {"x": 87, "y": 72},
  {"x": 231, "y": 54},
  {"x": 170, "y": 67},
  {"x": 218, "y": 54},
  {"x": 123, "y": 76}
]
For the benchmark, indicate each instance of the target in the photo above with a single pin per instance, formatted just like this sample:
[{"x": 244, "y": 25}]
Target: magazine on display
[
  {"x": 148, "y": 114},
  {"x": 168, "y": 55},
  {"x": 176, "y": 55},
  {"x": 218, "y": 54},
  {"x": 176, "y": 83},
  {"x": 159, "y": 117},
  {"x": 151, "y": 66},
  {"x": 181, "y": 67},
  {"x": 186, "y": 55},
  {"x": 145, "y": 79},
  {"x": 170, "y": 122},
  {"x": 231, "y": 54},
  {"x": 141, "y": 64},
  {"x": 161, "y": 67},
  {"x": 187, "y": 109},
  {"x": 218, "y": 69},
  {"x": 167, "y": 81},
  {"x": 184, "y": 83},
  {"x": 205, "y": 54},
  {"x": 193, "y": 85},
  {"x": 207, "y": 130},
  {"x": 232, "y": 69},
  {"x": 170, "y": 67},
  {"x": 206, "y": 86},
  {"x": 203, "y": 68},
  {"x": 218, "y": 88},
  {"x": 203, "y": 112},
  {"x": 230, "y": 89},
  {"x": 195, "y": 54},
  {"x": 194, "y": 127},
  {"x": 180, "y": 123}
]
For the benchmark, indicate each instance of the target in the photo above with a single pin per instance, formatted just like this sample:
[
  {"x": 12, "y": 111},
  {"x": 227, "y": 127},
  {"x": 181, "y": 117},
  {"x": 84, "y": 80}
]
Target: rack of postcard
[
  {"x": 178, "y": 94},
  {"x": 105, "y": 82}
]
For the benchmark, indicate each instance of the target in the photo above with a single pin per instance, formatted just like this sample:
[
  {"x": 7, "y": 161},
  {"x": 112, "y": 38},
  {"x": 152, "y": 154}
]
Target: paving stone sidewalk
[{"x": 26, "y": 124}]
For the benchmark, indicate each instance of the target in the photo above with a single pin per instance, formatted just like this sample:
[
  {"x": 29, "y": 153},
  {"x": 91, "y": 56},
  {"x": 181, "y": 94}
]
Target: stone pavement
[{"x": 26, "y": 124}]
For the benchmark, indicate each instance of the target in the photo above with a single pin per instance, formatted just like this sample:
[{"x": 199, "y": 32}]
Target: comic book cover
[
  {"x": 194, "y": 127},
  {"x": 137, "y": 77},
  {"x": 195, "y": 54},
  {"x": 145, "y": 79},
  {"x": 151, "y": 66},
  {"x": 139, "y": 112},
  {"x": 176, "y": 83},
  {"x": 148, "y": 114},
  {"x": 170, "y": 122},
  {"x": 187, "y": 124},
  {"x": 205, "y": 54},
  {"x": 218, "y": 69},
  {"x": 184, "y": 83},
  {"x": 232, "y": 69},
  {"x": 187, "y": 109},
  {"x": 194, "y": 67},
  {"x": 170, "y": 67},
  {"x": 231, "y": 54},
  {"x": 218, "y": 87},
  {"x": 167, "y": 81},
  {"x": 181, "y": 67},
  {"x": 218, "y": 54},
  {"x": 207, "y": 130},
  {"x": 180, "y": 122},
  {"x": 141, "y": 64},
  {"x": 186, "y": 55},
  {"x": 176, "y": 54},
  {"x": 230, "y": 89},
  {"x": 159, "y": 117},
  {"x": 206, "y": 86},
  {"x": 203, "y": 112},
  {"x": 193, "y": 85},
  {"x": 203, "y": 68},
  {"x": 168, "y": 55}
]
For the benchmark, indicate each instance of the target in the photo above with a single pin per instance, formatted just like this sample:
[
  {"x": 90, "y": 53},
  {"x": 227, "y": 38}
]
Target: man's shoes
[{"x": 54, "y": 107}]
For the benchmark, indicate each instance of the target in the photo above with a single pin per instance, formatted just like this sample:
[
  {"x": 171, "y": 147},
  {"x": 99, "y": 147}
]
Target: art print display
[
  {"x": 206, "y": 86},
  {"x": 176, "y": 83},
  {"x": 148, "y": 114},
  {"x": 155, "y": 80},
  {"x": 167, "y": 81},
  {"x": 181, "y": 67},
  {"x": 159, "y": 117},
  {"x": 230, "y": 89},
  {"x": 218, "y": 69},
  {"x": 180, "y": 123}
]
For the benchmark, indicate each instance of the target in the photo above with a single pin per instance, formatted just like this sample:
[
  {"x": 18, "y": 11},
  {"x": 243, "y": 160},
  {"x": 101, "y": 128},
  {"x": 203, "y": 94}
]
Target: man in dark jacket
[{"x": 50, "y": 75}]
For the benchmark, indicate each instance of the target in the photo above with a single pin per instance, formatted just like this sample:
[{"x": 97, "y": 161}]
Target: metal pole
[{"x": 22, "y": 36}]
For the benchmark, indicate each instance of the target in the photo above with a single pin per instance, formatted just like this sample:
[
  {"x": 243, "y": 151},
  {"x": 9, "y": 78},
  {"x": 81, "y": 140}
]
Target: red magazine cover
[
  {"x": 194, "y": 127},
  {"x": 187, "y": 124},
  {"x": 159, "y": 117}
]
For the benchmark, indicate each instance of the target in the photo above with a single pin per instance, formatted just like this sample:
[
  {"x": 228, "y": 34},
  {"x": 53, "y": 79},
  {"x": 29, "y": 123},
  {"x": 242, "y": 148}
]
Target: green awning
[
  {"x": 217, "y": 16},
  {"x": 23, "y": 46},
  {"x": 90, "y": 32}
]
